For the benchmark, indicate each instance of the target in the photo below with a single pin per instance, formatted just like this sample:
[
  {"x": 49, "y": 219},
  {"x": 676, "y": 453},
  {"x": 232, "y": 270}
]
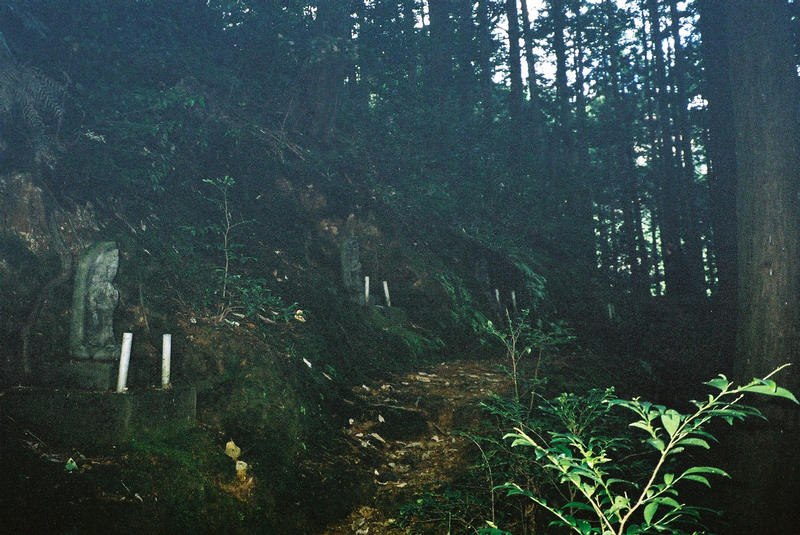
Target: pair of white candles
[
  {"x": 385, "y": 292},
  {"x": 125, "y": 359}
]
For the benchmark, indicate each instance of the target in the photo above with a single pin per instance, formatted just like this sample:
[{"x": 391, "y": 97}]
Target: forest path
[{"x": 403, "y": 440}]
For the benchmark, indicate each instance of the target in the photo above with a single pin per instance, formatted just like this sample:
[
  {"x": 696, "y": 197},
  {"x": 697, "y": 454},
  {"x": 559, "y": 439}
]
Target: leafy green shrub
[
  {"x": 464, "y": 311},
  {"x": 522, "y": 338},
  {"x": 231, "y": 294},
  {"x": 604, "y": 498}
]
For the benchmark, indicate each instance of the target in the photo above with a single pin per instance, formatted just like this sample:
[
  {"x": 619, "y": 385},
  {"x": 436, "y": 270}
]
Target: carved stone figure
[
  {"x": 351, "y": 265},
  {"x": 94, "y": 299}
]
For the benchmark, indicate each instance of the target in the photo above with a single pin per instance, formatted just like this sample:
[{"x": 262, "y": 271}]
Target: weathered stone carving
[
  {"x": 351, "y": 266},
  {"x": 94, "y": 299}
]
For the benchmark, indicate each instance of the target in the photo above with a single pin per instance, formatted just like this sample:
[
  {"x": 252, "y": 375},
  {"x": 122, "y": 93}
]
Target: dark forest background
[{"x": 627, "y": 167}]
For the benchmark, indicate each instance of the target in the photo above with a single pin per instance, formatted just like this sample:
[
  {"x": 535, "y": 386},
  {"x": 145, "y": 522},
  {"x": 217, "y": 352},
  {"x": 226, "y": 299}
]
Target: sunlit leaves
[
  {"x": 769, "y": 388},
  {"x": 721, "y": 383},
  {"x": 671, "y": 420},
  {"x": 610, "y": 504}
]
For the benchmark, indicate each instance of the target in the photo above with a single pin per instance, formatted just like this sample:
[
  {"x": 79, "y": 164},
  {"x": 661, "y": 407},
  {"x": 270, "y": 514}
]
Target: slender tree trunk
[
  {"x": 624, "y": 159},
  {"x": 514, "y": 66},
  {"x": 465, "y": 35},
  {"x": 655, "y": 258},
  {"x": 556, "y": 10},
  {"x": 653, "y": 133},
  {"x": 581, "y": 198},
  {"x": 409, "y": 29},
  {"x": 485, "y": 56},
  {"x": 690, "y": 233},
  {"x": 675, "y": 273},
  {"x": 530, "y": 57},
  {"x": 441, "y": 41},
  {"x": 765, "y": 104},
  {"x": 333, "y": 65},
  {"x": 721, "y": 152},
  {"x": 642, "y": 279},
  {"x": 536, "y": 116},
  {"x": 632, "y": 210}
]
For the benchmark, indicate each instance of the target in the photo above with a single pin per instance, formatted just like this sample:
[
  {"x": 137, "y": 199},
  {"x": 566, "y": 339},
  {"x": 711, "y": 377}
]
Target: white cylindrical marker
[
  {"x": 386, "y": 293},
  {"x": 366, "y": 290},
  {"x": 166, "y": 351},
  {"x": 124, "y": 360}
]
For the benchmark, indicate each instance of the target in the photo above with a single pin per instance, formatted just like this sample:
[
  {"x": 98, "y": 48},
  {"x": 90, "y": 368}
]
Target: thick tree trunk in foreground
[
  {"x": 764, "y": 88},
  {"x": 765, "y": 104}
]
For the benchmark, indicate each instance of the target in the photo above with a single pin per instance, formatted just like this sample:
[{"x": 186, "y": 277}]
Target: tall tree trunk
[
  {"x": 536, "y": 116},
  {"x": 409, "y": 30},
  {"x": 693, "y": 247},
  {"x": 569, "y": 162},
  {"x": 334, "y": 34},
  {"x": 765, "y": 99},
  {"x": 581, "y": 198},
  {"x": 441, "y": 42},
  {"x": 655, "y": 258},
  {"x": 765, "y": 104},
  {"x": 624, "y": 163},
  {"x": 721, "y": 162},
  {"x": 642, "y": 276},
  {"x": 631, "y": 205},
  {"x": 485, "y": 56},
  {"x": 514, "y": 65},
  {"x": 672, "y": 253},
  {"x": 558, "y": 16},
  {"x": 465, "y": 34},
  {"x": 530, "y": 57}
]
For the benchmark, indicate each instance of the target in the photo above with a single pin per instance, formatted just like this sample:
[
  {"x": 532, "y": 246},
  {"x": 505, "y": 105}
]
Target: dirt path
[{"x": 403, "y": 440}]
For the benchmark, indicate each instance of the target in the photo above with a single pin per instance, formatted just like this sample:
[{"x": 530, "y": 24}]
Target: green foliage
[
  {"x": 534, "y": 282},
  {"x": 454, "y": 508},
  {"x": 253, "y": 299},
  {"x": 521, "y": 338},
  {"x": 418, "y": 343},
  {"x": 605, "y": 499},
  {"x": 182, "y": 469},
  {"x": 30, "y": 102},
  {"x": 233, "y": 294},
  {"x": 463, "y": 309}
]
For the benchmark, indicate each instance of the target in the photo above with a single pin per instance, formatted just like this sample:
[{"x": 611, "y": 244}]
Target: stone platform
[{"x": 95, "y": 421}]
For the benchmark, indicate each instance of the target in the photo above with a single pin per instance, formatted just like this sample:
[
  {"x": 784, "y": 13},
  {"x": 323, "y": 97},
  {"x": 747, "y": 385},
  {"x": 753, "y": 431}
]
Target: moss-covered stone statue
[
  {"x": 92, "y": 343},
  {"x": 351, "y": 266}
]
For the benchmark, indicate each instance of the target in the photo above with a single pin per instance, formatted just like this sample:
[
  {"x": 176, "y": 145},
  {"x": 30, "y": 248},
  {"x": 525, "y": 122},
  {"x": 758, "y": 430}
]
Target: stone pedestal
[
  {"x": 88, "y": 374},
  {"x": 95, "y": 421}
]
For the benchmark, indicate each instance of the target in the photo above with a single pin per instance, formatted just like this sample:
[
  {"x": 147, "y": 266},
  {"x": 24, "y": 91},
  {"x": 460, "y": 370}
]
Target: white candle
[
  {"x": 386, "y": 293},
  {"x": 124, "y": 360},
  {"x": 166, "y": 350}
]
